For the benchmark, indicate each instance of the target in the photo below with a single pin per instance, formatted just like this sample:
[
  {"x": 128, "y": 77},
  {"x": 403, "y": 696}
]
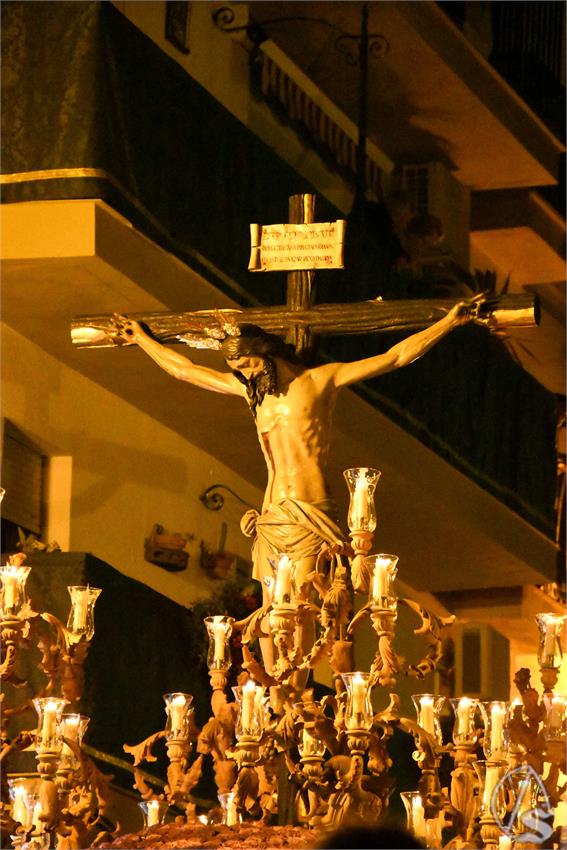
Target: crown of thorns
[{"x": 212, "y": 336}]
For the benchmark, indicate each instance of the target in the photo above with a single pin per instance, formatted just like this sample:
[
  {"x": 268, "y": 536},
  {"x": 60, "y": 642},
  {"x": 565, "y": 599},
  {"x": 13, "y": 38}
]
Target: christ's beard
[{"x": 265, "y": 383}]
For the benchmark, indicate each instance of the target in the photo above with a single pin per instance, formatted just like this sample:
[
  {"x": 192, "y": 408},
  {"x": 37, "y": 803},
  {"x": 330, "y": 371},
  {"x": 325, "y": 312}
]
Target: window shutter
[{"x": 22, "y": 479}]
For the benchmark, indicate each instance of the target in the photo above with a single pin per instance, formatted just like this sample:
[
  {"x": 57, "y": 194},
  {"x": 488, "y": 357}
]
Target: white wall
[{"x": 128, "y": 471}]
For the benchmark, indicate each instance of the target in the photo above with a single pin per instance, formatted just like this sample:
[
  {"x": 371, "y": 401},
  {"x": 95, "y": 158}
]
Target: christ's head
[{"x": 251, "y": 357}]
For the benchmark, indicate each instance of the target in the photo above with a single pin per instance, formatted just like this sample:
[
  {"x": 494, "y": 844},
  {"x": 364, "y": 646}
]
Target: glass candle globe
[
  {"x": 49, "y": 734},
  {"x": 358, "y": 714},
  {"x": 251, "y": 699},
  {"x": 13, "y": 589},
  {"x": 219, "y": 629},
  {"x": 496, "y": 740},
  {"x": 464, "y": 729},
  {"x": 178, "y": 710},
  {"x": 550, "y": 653},
  {"x": 383, "y": 570},
  {"x": 361, "y": 482},
  {"x": 428, "y": 708},
  {"x": 81, "y": 616}
]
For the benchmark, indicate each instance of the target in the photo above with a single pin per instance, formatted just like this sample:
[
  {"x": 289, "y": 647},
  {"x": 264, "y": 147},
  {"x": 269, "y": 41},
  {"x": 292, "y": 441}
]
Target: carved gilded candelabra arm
[
  {"x": 465, "y": 786},
  {"x": 524, "y": 726},
  {"x": 428, "y": 756},
  {"x": 181, "y": 777},
  {"x": 386, "y": 663},
  {"x": 215, "y": 739},
  {"x": 143, "y": 751},
  {"x": 63, "y": 660},
  {"x": 14, "y": 632},
  {"x": 431, "y": 628},
  {"x": 83, "y": 821},
  {"x": 246, "y": 754}
]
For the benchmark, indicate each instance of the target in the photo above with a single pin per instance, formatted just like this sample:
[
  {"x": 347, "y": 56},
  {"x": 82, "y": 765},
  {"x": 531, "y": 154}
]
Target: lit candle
[
  {"x": 11, "y": 590},
  {"x": 359, "y": 509},
  {"x": 80, "y": 610},
  {"x": 283, "y": 581},
  {"x": 71, "y": 731},
  {"x": 310, "y": 744},
  {"x": 549, "y": 639},
  {"x": 219, "y": 632},
  {"x": 418, "y": 817},
  {"x": 153, "y": 812},
  {"x": 231, "y": 810},
  {"x": 49, "y": 722},
  {"x": 381, "y": 579},
  {"x": 247, "y": 708},
  {"x": 497, "y": 713},
  {"x": 463, "y": 715},
  {"x": 490, "y": 782},
  {"x": 427, "y": 717},
  {"x": 358, "y": 694},
  {"x": 19, "y": 811},
  {"x": 177, "y": 714}
]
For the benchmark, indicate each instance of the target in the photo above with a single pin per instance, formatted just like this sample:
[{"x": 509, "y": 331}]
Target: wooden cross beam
[{"x": 300, "y": 320}]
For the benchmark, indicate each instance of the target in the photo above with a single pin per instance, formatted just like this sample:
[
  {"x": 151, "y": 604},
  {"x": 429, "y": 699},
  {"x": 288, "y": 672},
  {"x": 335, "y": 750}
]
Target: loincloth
[{"x": 295, "y": 528}]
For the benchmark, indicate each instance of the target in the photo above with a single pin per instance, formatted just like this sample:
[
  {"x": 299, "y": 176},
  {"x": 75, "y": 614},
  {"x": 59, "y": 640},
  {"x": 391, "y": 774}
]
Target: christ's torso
[{"x": 294, "y": 429}]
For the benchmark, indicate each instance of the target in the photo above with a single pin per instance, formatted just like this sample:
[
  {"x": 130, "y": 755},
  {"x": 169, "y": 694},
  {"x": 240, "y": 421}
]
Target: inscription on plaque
[{"x": 292, "y": 247}]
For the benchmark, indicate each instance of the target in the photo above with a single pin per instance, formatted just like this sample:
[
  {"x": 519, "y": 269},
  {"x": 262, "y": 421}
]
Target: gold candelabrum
[
  {"x": 268, "y": 736},
  {"x": 63, "y": 804},
  {"x": 333, "y": 752}
]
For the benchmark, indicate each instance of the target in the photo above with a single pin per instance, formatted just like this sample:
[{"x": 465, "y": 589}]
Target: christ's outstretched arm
[
  {"x": 405, "y": 352},
  {"x": 176, "y": 364}
]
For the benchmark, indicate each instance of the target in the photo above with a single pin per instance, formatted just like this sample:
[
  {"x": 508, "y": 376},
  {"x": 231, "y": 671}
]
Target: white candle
[
  {"x": 153, "y": 812},
  {"x": 11, "y": 591},
  {"x": 490, "y": 782},
  {"x": 80, "y": 609},
  {"x": 358, "y": 694},
  {"x": 549, "y": 639},
  {"x": 310, "y": 743},
  {"x": 71, "y": 731},
  {"x": 177, "y": 713},
  {"x": 381, "y": 579},
  {"x": 283, "y": 581},
  {"x": 247, "y": 708},
  {"x": 19, "y": 811},
  {"x": 359, "y": 508},
  {"x": 418, "y": 817},
  {"x": 463, "y": 715},
  {"x": 231, "y": 810},
  {"x": 49, "y": 723},
  {"x": 427, "y": 717},
  {"x": 219, "y": 642},
  {"x": 497, "y": 714}
]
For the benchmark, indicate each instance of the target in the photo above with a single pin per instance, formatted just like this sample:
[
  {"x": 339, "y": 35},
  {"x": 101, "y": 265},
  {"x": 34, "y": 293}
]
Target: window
[{"x": 24, "y": 480}]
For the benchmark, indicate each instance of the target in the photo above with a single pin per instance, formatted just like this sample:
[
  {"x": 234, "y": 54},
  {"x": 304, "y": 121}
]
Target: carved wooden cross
[{"x": 299, "y": 320}]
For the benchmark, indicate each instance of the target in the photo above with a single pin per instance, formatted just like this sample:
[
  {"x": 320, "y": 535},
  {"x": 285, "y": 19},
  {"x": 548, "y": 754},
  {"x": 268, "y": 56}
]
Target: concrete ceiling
[
  {"x": 455, "y": 109},
  {"x": 63, "y": 259}
]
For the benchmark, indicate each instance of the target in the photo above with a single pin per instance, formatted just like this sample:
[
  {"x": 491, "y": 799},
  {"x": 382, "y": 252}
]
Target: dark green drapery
[{"x": 84, "y": 89}]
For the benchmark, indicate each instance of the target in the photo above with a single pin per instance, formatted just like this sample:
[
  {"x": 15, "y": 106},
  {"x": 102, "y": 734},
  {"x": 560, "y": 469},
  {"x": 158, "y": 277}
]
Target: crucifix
[
  {"x": 292, "y": 403},
  {"x": 300, "y": 320}
]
